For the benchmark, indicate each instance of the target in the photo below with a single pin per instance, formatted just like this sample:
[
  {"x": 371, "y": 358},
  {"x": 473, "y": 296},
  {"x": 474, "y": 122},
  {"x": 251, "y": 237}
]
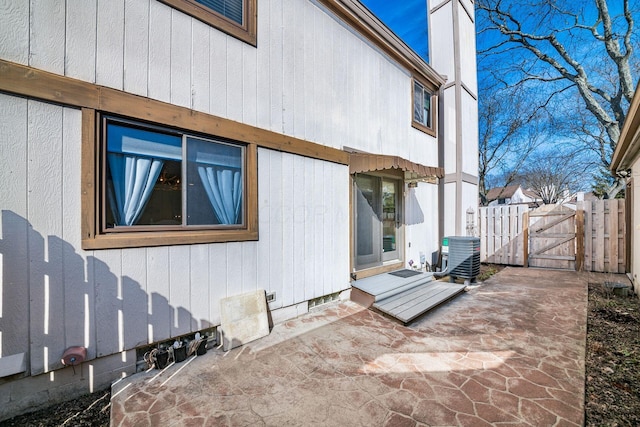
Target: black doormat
[{"x": 405, "y": 273}]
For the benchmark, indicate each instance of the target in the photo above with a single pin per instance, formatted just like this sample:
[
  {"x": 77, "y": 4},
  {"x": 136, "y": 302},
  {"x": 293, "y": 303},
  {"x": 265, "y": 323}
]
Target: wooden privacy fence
[
  {"x": 592, "y": 237},
  {"x": 501, "y": 237},
  {"x": 605, "y": 236}
]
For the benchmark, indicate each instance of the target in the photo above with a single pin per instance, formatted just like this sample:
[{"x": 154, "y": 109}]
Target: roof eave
[{"x": 628, "y": 145}]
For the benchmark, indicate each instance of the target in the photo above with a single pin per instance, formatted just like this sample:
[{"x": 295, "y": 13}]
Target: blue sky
[{"x": 406, "y": 18}]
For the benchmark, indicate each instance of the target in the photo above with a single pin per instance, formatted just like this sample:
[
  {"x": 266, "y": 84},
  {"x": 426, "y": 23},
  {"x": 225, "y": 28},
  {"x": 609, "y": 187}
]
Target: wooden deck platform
[{"x": 404, "y": 299}]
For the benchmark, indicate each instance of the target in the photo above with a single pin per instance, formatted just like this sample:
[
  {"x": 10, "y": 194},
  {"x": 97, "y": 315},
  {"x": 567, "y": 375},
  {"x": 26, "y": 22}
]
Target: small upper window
[
  {"x": 231, "y": 9},
  {"x": 235, "y": 17},
  {"x": 163, "y": 180},
  {"x": 423, "y": 108}
]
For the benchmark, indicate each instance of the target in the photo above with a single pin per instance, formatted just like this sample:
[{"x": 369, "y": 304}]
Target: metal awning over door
[{"x": 365, "y": 162}]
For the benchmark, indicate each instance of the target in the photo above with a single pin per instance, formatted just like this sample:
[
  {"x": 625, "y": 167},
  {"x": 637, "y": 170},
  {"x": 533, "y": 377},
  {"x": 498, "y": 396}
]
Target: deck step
[
  {"x": 386, "y": 285},
  {"x": 414, "y": 302},
  {"x": 404, "y": 288}
]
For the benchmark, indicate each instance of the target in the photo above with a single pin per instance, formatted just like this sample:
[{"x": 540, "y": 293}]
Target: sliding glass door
[{"x": 377, "y": 220}]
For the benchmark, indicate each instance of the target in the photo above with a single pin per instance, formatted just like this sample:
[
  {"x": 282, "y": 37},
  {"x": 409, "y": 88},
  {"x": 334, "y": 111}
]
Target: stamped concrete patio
[{"x": 507, "y": 352}]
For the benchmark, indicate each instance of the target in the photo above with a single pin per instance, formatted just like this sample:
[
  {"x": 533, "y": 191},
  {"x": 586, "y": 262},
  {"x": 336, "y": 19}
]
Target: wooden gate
[
  {"x": 593, "y": 236},
  {"x": 555, "y": 237}
]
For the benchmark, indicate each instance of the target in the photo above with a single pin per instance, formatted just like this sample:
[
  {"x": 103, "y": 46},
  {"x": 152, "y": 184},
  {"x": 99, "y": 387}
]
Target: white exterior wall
[
  {"x": 309, "y": 77},
  {"x": 452, "y": 43},
  {"x": 421, "y": 222},
  {"x": 56, "y": 295},
  {"x": 635, "y": 226}
]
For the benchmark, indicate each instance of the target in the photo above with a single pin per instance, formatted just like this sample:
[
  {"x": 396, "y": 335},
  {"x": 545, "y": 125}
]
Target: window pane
[
  {"x": 130, "y": 140},
  {"x": 215, "y": 183},
  {"x": 417, "y": 102},
  {"x": 139, "y": 163},
  {"x": 165, "y": 204},
  {"x": 231, "y": 9},
  {"x": 427, "y": 109}
]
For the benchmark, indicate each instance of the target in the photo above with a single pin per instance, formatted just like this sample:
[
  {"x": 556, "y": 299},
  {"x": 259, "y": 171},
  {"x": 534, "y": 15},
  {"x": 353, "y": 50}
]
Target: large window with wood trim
[
  {"x": 235, "y": 17},
  {"x": 161, "y": 179},
  {"x": 156, "y": 185},
  {"x": 424, "y": 107}
]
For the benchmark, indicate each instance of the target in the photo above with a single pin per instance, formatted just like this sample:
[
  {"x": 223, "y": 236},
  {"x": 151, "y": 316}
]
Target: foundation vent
[{"x": 324, "y": 299}]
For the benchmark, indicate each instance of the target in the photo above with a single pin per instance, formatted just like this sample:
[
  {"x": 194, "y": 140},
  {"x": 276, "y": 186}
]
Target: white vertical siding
[
  {"x": 316, "y": 212},
  {"x": 199, "y": 287},
  {"x": 134, "y": 297},
  {"x": 274, "y": 66},
  {"x": 296, "y": 37},
  {"x": 218, "y": 74},
  {"x": 181, "y": 48},
  {"x": 450, "y": 206},
  {"x": 289, "y": 187},
  {"x": 469, "y": 134},
  {"x": 200, "y": 67},
  {"x": 46, "y": 35},
  {"x": 441, "y": 54},
  {"x": 79, "y": 297},
  {"x": 14, "y": 32},
  {"x": 159, "y": 312},
  {"x": 249, "y": 267},
  {"x": 421, "y": 219},
  {"x": 275, "y": 222},
  {"x": 179, "y": 295},
  {"x": 299, "y": 241},
  {"x": 233, "y": 86},
  {"x": 288, "y": 68},
  {"x": 108, "y": 306},
  {"x": 217, "y": 279},
  {"x": 468, "y": 67},
  {"x": 80, "y": 40},
  {"x": 249, "y": 85},
  {"x": 159, "y": 80},
  {"x": 311, "y": 92},
  {"x": 450, "y": 153},
  {"x": 263, "y": 78},
  {"x": 309, "y": 76},
  {"x": 44, "y": 213},
  {"x": 303, "y": 247},
  {"x": 14, "y": 229},
  {"x": 136, "y": 46},
  {"x": 110, "y": 44}
]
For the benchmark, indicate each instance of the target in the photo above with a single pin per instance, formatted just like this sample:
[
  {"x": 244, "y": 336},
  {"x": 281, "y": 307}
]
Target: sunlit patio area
[{"x": 509, "y": 351}]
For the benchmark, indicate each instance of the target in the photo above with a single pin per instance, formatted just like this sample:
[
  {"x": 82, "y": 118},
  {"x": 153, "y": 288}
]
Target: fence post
[
  {"x": 525, "y": 239},
  {"x": 579, "y": 239}
]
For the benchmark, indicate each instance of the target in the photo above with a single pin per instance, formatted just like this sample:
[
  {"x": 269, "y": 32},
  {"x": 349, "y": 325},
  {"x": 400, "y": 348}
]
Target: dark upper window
[
  {"x": 232, "y": 9},
  {"x": 234, "y": 17},
  {"x": 424, "y": 107}
]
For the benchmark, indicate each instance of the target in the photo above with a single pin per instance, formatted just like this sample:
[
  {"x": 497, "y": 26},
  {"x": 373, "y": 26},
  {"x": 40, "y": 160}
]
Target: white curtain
[
  {"x": 133, "y": 180},
  {"x": 223, "y": 186}
]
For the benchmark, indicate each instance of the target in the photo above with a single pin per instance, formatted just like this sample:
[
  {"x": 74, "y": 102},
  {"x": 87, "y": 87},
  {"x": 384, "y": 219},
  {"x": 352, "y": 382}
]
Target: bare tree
[
  {"x": 568, "y": 50},
  {"x": 552, "y": 178},
  {"x": 507, "y": 137}
]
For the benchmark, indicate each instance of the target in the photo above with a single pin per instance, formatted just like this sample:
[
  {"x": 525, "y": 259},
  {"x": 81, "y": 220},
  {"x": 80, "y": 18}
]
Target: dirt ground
[
  {"x": 89, "y": 410},
  {"x": 612, "y": 370},
  {"x": 613, "y": 359}
]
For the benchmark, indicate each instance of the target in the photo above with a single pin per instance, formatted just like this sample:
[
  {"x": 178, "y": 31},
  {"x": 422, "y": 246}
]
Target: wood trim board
[{"x": 30, "y": 82}]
